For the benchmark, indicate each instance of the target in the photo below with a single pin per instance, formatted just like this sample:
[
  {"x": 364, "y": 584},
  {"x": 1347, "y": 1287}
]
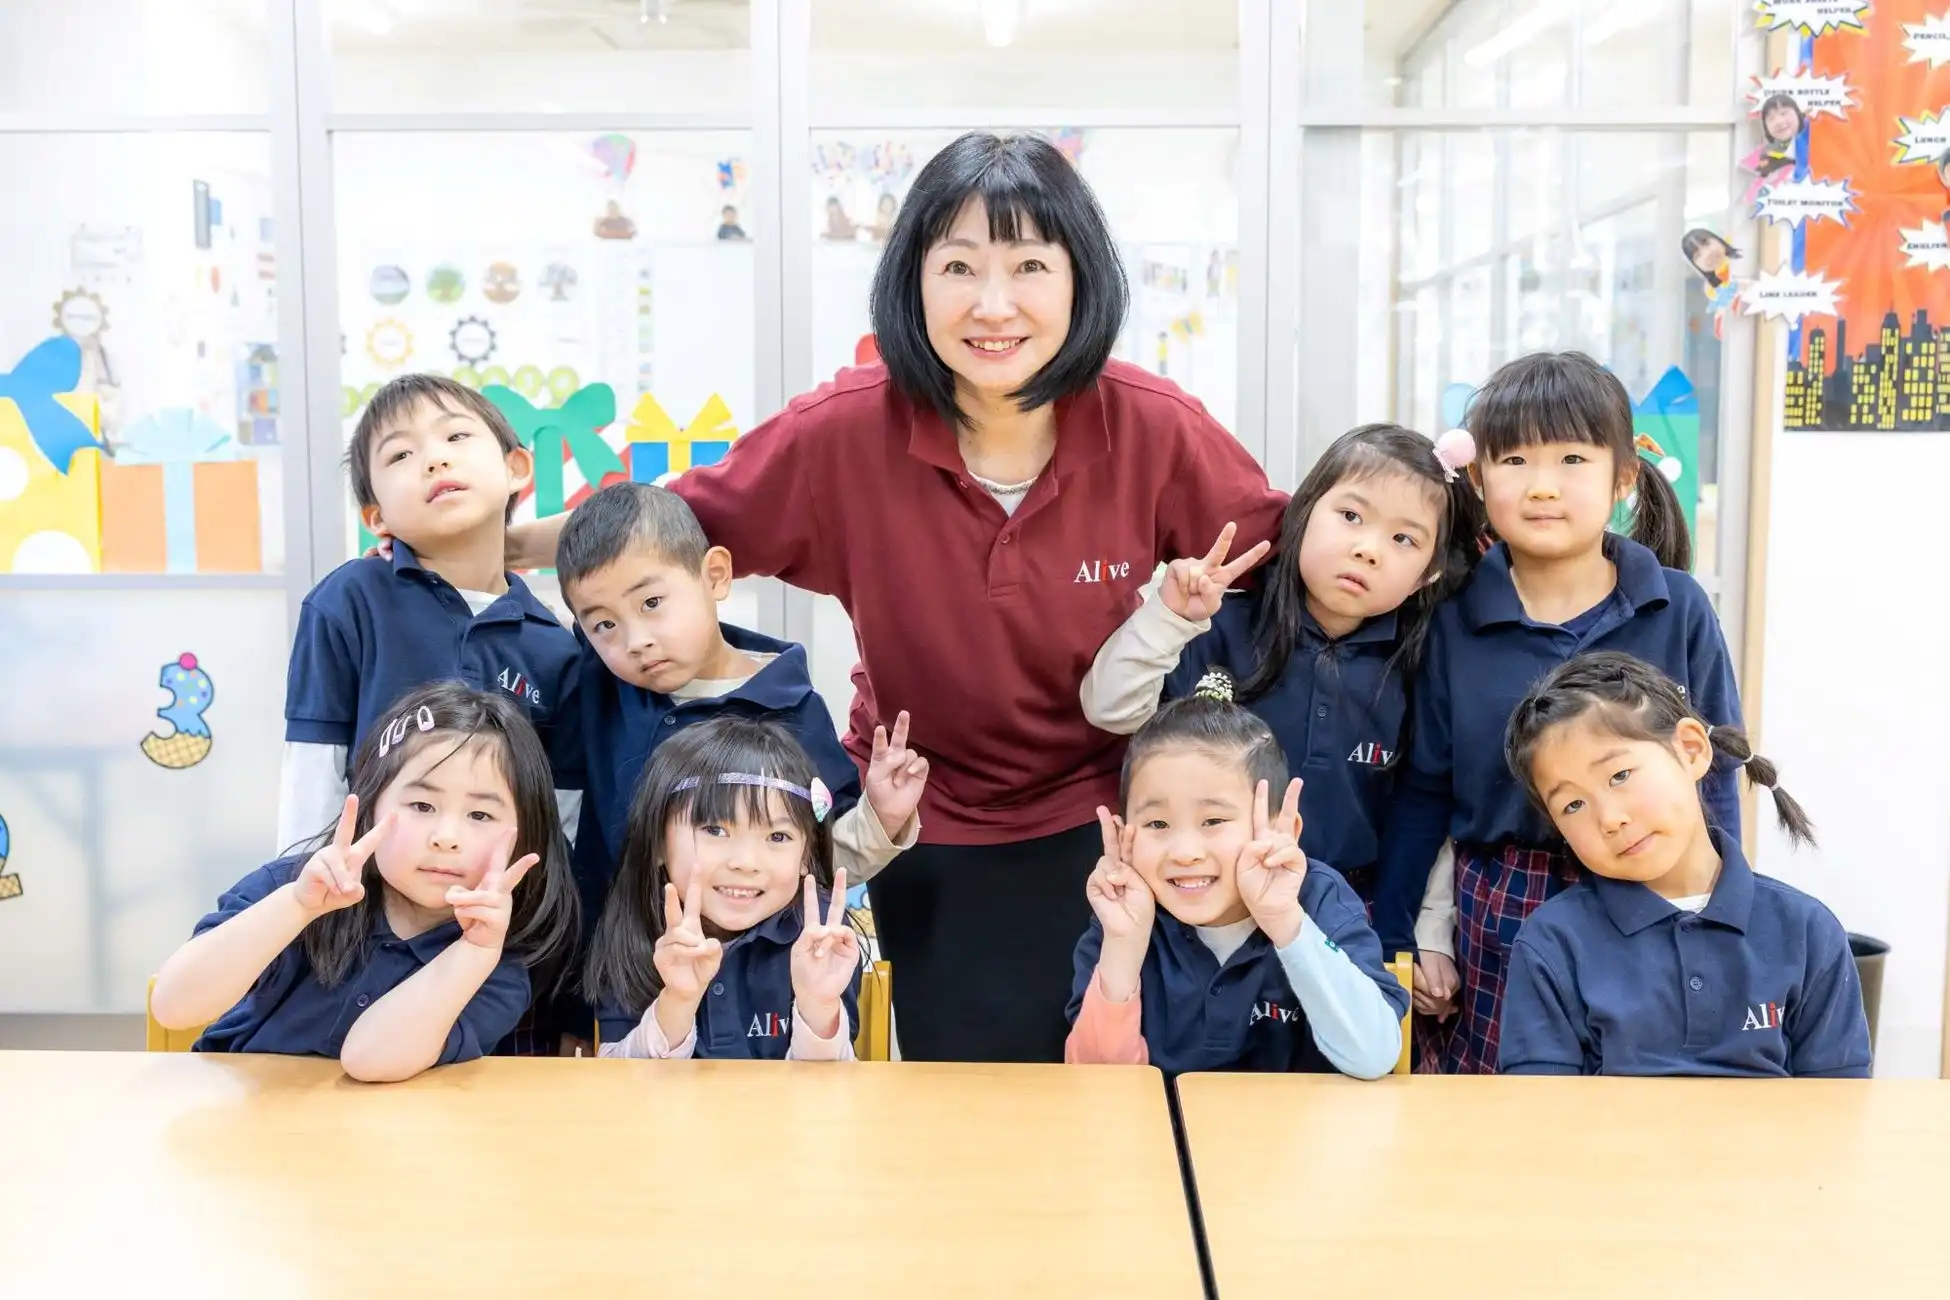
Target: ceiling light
[{"x": 999, "y": 18}]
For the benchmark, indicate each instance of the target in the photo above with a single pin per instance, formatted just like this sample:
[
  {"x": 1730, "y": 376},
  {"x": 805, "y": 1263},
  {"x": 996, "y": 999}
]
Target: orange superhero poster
[{"x": 1868, "y": 206}]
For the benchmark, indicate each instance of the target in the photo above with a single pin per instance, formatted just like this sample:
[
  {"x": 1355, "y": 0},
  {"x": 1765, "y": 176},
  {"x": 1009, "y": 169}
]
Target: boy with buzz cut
[
  {"x": 644, "y": 585},
  {"x": 436, "y": 468}
]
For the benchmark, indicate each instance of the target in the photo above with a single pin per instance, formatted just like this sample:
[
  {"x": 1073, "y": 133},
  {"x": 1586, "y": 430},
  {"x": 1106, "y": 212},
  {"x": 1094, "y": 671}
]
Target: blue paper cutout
[{"x": 52, "y": 367}]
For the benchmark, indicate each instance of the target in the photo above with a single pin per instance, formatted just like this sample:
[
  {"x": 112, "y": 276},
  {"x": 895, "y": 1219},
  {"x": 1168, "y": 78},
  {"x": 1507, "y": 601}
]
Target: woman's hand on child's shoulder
[
  {"x": 1272, "y": 867},
  {"x": 1192, "y": 589},
  {"x": 896, "y": 776},
  {"x": 485, "y": 910},
  {"x": 1122, "y": 901},
  {"x": 686, "y": 961},
  {"x": 824, "y": 958},
  {"x": 334, "y": 877}
]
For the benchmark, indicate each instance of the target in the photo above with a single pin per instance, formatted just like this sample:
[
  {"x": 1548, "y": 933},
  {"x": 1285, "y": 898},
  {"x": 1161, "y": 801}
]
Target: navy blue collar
[
  {"x": 1632, "y": 907},
  {"x": 783, "y": 683},
  {"x": 1381, "y": 628},
  {"x": 1491, "y": 597},
  {"x": 1185, "y": 943},
  {"x": 405, "y": 562},
  {"x": 424, "y": 946}
]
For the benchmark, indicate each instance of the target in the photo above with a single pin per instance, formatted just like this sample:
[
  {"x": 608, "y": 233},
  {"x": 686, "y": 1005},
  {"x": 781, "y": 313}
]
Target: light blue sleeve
[{"x": 1354, "y": 1024}]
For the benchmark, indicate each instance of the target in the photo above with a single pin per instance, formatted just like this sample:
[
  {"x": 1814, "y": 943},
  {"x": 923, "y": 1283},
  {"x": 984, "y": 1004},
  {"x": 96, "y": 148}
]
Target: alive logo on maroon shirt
[{"x": 1102, "y": 571}]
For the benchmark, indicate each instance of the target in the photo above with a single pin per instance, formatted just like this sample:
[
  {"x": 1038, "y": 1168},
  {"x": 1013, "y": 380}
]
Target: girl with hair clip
[
  {"x": 1781, "y": 124},
  {"x": 1712, "y": 256},
  {"x": 1672, "y": 956},
  {"x": 1554, "y": 454},
  {"x": 406, "y": 936},
  {"x": 1262, "y": 959},
  {"x": 725, "y": 934},
  {"x": 1384, "y": 527}
]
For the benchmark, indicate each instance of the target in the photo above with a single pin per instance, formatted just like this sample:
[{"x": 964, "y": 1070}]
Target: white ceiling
[{"x": 597, "y": 25}]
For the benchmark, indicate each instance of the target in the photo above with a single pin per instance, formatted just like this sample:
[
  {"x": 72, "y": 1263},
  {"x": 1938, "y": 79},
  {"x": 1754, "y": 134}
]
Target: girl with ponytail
[
  {"x": 1672, "y": 956},
  {"x": 1554, "y": 454}
]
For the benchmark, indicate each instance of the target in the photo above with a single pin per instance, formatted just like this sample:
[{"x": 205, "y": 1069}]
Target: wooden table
[
  {"x": 1640, "y": 1188},
  {"x": 134, "y": 1174}
]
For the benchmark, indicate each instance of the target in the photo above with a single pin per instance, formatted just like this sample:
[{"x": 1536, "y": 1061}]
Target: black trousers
[{"x": 981, "y": 939}]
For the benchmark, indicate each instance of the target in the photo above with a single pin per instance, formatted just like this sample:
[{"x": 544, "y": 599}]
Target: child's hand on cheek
[
  {"x": 334, "y": 876},
  {"x": 1272, "y": 867},
  {"x": 824, "y": 960},
  {"x": 485, "y": 910},
  {"x": 896, "y": 776},
  {"x": 1125, "y": 907}
]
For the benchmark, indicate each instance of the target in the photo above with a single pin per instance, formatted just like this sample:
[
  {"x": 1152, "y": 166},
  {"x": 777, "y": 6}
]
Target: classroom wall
[{"x": 1856, "y": 706}]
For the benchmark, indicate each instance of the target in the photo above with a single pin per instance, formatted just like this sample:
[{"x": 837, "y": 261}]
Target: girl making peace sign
[
  {"x": 1263, "y": 959},
  {"x": 701, "y": 951},
  {"x": 406, "y": 936}
]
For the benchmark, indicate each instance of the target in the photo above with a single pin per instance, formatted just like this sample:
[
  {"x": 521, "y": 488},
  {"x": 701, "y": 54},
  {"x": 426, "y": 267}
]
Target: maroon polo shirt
[{"x": 981, "y": 624}]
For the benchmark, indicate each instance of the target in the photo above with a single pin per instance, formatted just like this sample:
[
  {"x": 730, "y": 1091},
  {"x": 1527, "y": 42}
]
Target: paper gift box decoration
[
  {"x": 560, "y": 436},
  {"x": 178, "y": 499},
  {"x": 1666, "y": 421},
  {"x": 50, "y": 465},
  {"x": 658, "y": 447}
]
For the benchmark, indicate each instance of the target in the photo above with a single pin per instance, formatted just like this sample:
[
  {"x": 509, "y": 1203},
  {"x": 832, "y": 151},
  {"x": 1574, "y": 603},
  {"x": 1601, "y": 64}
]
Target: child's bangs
[{"x": 1503, "y": 423}]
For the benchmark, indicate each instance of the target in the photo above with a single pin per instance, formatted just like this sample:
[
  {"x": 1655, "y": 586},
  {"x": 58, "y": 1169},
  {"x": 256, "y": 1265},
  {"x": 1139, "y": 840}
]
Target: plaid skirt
[{"x": 1496, "y": 889}]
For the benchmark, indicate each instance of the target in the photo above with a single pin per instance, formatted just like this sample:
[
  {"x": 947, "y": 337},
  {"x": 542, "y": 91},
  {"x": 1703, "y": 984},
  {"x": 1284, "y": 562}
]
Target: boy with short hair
[
  {"x": 644, "y": 585},
  {"x": 437, "y": 468}
]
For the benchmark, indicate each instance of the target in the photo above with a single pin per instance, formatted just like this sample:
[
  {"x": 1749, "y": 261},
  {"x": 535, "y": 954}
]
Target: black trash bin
[{"x": 1869, "y": 956}]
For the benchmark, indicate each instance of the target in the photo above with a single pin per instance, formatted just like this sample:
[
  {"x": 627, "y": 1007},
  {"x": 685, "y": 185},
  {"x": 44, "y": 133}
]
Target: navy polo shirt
[
  {"x": 623, "y": 724},
  {"x": 289, "y": 1012},
  {"x": 1244, "y": 1015},
  {"x": 1483, "y": 655},
  {"x": 746, "y": 1014},
  {"x": 1337, "y": 712},
  {"x": 1610, "y": 978},
  {"x": 375, "y": 629}
]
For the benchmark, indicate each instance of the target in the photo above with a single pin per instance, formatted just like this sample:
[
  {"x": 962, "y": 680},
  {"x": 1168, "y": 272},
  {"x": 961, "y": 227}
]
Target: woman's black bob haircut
[{"x": 1030, "y": 191}]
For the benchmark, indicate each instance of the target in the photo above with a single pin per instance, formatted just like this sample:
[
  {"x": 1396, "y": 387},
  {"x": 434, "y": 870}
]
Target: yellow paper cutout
[
  {"x": 50, "y": 522},
  {"x": 649, "y": 422}
]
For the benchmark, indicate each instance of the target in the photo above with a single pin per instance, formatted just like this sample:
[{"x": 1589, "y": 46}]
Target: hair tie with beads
[{"x": 1215, "y": 685}]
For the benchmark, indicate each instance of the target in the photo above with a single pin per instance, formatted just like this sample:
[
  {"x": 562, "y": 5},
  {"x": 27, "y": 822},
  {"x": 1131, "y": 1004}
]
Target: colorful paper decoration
[
  {"x": 617, "y": 154},
  {"x": 1666, "y": 421},
  {"x": 190, "y": 693},
  {"x": 177, "y": 499},
  {"x": 389, "y": 285},
  {"x": 562, "y": 383},
  {"x": 560, "y": 281},
  {"x": 50, "y": 465},
  {"x": 502, "y": 283},
  {"x": 658, "y": 447},
  {"x": 559, "y": 434},
  {"x": 80, "y": 315},
  {"x": 9, "y": 885},
  {"x": 445, "y": 284},
  {"x": 51, "y": 368},
  {"x": 389, "y": 343},
  {"x": 472, "y": 339}
]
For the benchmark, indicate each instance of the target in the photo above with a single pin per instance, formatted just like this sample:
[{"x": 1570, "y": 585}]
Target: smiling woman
[{"x": 986, "y": 504}]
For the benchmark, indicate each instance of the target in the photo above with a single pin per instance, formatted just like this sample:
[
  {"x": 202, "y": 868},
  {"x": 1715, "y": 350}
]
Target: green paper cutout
[
  {"x": 528, "y": 381},
  {"x": 468, "y": 377},
  {"x": 494, "y": 375},
  {"x": 563, "y": 382},
  {"x": 548, "y": 431}
]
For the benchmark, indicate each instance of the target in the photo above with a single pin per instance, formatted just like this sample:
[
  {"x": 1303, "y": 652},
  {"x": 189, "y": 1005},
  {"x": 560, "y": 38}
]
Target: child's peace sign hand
[
  {"x": 334, "y": 877},
  {"x": 896, "y": 776},
  {"x": 484, "y": 911},
  {"x": 1272, "y": 867},
  {"x": 1122, "y": 901},
  {"x": 825, "y": 956},
  {"x": 1192, "y": 589},
  {"x": 685, "y": 959}
]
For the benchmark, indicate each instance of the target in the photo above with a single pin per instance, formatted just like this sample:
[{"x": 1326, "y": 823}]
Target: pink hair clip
[{"x": 1456, "y": 450}]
